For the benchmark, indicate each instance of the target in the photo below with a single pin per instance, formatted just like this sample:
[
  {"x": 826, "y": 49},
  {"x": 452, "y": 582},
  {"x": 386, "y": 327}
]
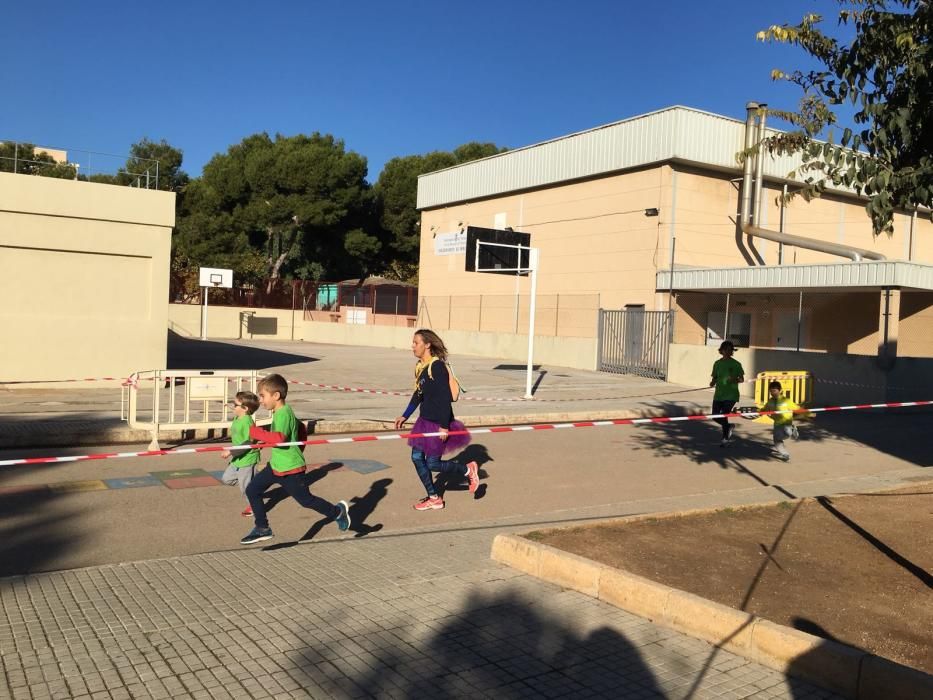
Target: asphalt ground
[{"x": 61, "y": 516}]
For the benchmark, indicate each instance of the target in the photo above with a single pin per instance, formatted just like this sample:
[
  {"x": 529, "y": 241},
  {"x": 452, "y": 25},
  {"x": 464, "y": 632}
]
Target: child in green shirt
[
  {"x": 726, "y": 376},
  {"x": 286, "y": 465},
  {"x": 242, "y": 466}
]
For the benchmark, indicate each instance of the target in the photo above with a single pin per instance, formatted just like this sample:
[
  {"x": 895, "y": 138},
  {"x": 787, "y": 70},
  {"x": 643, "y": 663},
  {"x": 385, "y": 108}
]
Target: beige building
[
  {"x": 85, "y": 278},
  {"x": 645, "y": 214}
]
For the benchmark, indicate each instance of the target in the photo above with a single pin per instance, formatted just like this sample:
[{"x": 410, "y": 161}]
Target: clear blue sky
[{"x": 389, "y": 78}]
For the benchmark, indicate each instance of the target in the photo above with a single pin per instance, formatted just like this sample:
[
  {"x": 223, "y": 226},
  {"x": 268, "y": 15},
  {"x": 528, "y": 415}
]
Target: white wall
[{"x": 579, "y": 353}]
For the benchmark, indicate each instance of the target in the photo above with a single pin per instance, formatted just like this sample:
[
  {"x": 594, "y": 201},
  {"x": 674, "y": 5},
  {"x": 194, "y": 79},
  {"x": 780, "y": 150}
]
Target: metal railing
[
  {"x": 154, "y": 400},
  {"x": 78, "y": 164}
]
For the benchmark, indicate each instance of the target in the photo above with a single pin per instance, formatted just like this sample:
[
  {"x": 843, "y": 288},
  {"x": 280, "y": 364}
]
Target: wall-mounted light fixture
[{"x": 653, "y": 211}]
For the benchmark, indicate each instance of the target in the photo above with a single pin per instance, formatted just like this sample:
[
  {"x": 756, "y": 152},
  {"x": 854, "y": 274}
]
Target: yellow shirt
[{"x": 784, "y": 410}]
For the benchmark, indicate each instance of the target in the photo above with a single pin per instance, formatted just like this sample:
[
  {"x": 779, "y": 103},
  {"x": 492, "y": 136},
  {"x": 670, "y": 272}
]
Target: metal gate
[{"x": 634, "y": 341}]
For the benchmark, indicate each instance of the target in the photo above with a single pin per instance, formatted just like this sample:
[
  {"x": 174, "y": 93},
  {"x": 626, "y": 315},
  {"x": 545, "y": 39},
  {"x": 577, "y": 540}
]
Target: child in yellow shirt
[{"x": 783, "y": 414}]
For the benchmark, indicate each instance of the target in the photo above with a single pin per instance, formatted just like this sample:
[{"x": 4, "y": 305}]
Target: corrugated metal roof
[
  {"x": 836, "y": 276},
  {"x": 675, "y": 133}
]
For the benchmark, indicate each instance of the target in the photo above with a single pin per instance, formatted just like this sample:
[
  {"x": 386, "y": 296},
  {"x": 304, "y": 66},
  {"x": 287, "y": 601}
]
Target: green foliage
[
  {"x": 397, "y": 190},
  {"x": 884, "y": 71},
  {"x": 149, "y": 159},
  {"x": 24, "y": 159},
  {"x": 284, "y": 207}
]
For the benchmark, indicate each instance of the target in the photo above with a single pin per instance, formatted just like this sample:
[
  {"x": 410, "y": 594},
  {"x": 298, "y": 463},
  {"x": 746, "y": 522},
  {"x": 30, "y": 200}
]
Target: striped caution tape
[
  {"x": 474, "y": 431},
  {"x": 381, "y": 392}
]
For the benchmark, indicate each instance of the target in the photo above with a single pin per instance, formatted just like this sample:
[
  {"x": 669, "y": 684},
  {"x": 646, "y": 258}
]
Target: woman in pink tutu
[{"x": 433, "y": 395}]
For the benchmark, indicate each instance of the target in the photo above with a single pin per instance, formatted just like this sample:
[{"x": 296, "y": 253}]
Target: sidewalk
[
  {"x": 415, "y": 613},
  {"x": 69, "y": 414}
]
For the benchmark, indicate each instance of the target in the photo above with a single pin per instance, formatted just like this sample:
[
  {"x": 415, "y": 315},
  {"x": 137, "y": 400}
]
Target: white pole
[
  {"x": 533, "y": 264},
  {"x": 204, "y": 317}
]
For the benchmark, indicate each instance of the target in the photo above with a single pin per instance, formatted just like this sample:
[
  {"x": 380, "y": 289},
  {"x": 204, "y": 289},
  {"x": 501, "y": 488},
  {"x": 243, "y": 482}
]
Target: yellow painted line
[{"x": 78, "y": 486}]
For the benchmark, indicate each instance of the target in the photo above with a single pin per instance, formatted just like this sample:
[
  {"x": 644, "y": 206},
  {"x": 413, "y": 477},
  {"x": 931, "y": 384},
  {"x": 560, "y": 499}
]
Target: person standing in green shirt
[
  {"x": 242, "y": 467},
  {"x": 726, "y": 376},
  {"x": 286, "y": 465}
]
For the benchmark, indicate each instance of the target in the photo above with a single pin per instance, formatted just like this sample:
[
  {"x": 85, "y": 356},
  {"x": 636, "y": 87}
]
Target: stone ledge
[{"x": 844, "y": 669}]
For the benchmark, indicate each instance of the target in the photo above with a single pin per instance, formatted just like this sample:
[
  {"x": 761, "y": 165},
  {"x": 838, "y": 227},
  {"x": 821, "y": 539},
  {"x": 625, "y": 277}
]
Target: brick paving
[{"x": 415, "y": 614}]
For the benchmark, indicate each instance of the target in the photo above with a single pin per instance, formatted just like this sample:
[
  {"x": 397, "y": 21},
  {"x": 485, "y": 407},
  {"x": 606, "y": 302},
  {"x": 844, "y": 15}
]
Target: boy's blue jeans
[
  {"x": 425, "y": 464},
  {"x": 294, "y": 485}
]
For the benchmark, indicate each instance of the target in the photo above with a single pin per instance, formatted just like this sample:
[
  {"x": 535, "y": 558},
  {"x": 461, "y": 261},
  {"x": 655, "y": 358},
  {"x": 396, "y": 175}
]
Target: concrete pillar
[{"x": 888, "y": 322}]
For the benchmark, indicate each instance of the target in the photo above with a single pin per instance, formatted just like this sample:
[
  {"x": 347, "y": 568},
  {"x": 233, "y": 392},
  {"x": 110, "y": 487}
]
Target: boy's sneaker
[
  {"x": 429, "y": 503},
  {"x": 343, "y": 518},
  {"x": 473, "y": 476},
  {"x": 257, "y": 534},
  {"x": 784, "y": 458},
  {"x": 247, "y": 512}
]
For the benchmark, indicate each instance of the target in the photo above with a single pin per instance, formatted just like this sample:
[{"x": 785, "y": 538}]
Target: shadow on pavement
[
  {"x": 35, "y": 530},
  {"x": 901, "y": 433},
  {"x": 192, "y": 353},
  {"x": 498, "y": 645},
  {"x": 361, "y": 507}
]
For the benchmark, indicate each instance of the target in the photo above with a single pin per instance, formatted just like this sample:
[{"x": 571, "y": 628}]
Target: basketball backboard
[
  {"x": 215, "y": 277},
  {"x": 497, "y": 251}
]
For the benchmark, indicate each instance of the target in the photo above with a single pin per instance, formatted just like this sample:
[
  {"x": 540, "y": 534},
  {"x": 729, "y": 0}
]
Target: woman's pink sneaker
[
  {"x": 473, "y": 476},
  {"x": 429, "y": 503}
]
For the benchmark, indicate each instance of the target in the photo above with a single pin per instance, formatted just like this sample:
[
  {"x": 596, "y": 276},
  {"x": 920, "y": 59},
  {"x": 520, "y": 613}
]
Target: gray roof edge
[
  {"x": 564, "y": 137},
  {"x": 874, "y": 274}
]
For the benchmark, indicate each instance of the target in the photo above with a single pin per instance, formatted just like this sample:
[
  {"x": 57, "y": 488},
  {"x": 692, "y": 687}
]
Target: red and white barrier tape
[
  {"x": 133, "y": 381},
  {"x": 128, "y": 381},
  {"x": 381, "y": 392},
  {"x": 475, "y": 431}
]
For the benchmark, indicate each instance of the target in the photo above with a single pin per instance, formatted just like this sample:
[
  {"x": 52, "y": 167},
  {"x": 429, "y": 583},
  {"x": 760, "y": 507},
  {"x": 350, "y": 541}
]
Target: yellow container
[{"x": 797, "y": 385}]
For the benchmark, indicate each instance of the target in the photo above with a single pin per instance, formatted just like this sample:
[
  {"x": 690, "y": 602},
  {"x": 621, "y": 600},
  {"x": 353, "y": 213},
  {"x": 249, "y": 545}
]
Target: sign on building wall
[{"x": 453, "y": 243}]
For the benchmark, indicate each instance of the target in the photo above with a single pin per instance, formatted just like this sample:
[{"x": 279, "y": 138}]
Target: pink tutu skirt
[{"x": 434, "y": 446}]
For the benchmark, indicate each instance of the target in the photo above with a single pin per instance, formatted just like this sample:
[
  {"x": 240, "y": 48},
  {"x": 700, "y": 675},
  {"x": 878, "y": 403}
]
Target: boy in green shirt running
[
  {"x": 242, "y": 467},
  {"x": 726, "y": 376},
  {"x": 286, "y": 465}
]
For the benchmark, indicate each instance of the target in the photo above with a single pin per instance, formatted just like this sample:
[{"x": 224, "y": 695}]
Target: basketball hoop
[
  {"x": 507, "y": 252},
  {"x": 212, "y": 278}
]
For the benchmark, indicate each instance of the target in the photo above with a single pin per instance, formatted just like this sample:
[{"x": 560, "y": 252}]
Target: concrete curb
[
  {"x": 76, "y": 433},
  {"x": 846, "y": 670}
]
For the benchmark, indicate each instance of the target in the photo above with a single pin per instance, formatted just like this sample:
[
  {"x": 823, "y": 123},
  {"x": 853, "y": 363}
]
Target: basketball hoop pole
[
  {"x": 204, "y": 316},
  {"x": 533, "y": 264}
]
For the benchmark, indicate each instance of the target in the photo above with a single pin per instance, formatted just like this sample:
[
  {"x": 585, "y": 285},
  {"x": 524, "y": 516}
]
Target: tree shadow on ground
[
  {"x": 500, "y": 645},
  {"x": 699, "y": 441},
  {"x": 36, "y": 530},
  {"x": 902, "y": 434},
  {"x": 192, "y": 353}
]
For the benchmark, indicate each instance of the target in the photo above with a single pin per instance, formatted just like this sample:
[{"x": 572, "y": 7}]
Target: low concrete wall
[
  {"x": 235, "y": 322},
  {"x": 579, "y": 353},
  {"x": 839, "y": 379}
]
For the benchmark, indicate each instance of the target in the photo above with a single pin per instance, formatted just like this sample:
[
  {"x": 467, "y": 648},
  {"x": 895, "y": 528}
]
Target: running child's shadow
[
  {"x": 471, "y": 453},
  {"x": 273, "y": 498},
  {"x": 361, "y": 508}
]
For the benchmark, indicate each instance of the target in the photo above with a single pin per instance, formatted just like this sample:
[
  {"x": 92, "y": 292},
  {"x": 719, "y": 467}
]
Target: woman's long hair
[{"x": 438, "y": 349}]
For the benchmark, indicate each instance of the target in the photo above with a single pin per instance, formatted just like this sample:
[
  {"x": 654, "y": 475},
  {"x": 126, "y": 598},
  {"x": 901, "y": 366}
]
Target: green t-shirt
[
  {"x": 724, "y": 373},
  {"x": 239, "y": 435},
  {"x": 286, "y": 458}
]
